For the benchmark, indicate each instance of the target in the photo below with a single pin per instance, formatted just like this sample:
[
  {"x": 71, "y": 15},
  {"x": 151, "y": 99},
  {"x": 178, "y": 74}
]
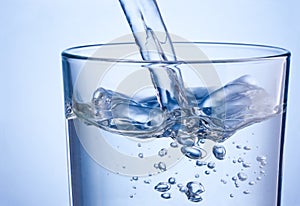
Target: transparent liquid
[
  {"x": 191, "y": 121},
  {"x": 249, "y": 169},
  {"x": 218, "y": 149}
]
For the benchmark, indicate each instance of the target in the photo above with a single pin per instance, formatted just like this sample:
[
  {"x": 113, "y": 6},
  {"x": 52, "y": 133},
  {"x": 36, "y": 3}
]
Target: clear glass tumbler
[{"x": 225, "y": 149}]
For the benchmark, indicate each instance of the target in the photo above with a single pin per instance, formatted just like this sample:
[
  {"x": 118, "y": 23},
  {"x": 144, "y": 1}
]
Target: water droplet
[
  {"x": 134, "y": 187},
  {"x": 240, "y": 160},
  {"x": 172, "y": 180},
  {"x": 156, "y": 165},
  {"x": 238, "y": 146},
  {"x": 234, "y": 161},
  {"x": 135, "y": 178},
  {"x": 131, "y": 196},
  {"x": 207, "y": 172},
  {"x": 247, "y": 148},
  {"x": 246, "y": 165},
  {"x": 163, "y": 152},
  {"x": 194, "y": 189},
  {"x": 166, "y": 195},
  {"x": 162, "y": 187},
  {"x": 162, "y": 166},
  {"x": 242, "y": 176},
  {"x": 246, "y": 192},
  {"x": 231, "y": 195},
  {"x": 219, "y": 152},
  {"x": 262, "y": 172},
  {"x": 223, "y": 181},
  {"x": 211, "y": 165},
  {"x": 140, "y": 155},
  {"x": 191, "y": 152},
  {"x": 234, "y": 178},
  {"x": 200, "y": 163},
  {"x": 139, "y": 144},
  {"x": 236, "y": 185},
  {"x": 174, "y": 144},
  {"x": 258, "y": 178}
]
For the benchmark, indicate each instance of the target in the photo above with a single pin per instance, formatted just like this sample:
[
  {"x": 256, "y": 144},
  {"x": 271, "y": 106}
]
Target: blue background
[{"x": 33, "y": 33}]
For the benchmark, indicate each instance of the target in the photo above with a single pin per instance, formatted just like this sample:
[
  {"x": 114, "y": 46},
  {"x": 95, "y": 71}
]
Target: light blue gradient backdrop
[{"x": 33, "y": 33}]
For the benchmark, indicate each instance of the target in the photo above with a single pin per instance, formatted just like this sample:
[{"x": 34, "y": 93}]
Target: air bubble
[
  {"x": 183, "y": 189},
  {"x": 179, "y": 185},
  {"x": 207, "y": 172},
  {"x": 162, "y": 166},
  {"x": 242, "y": 176},
  {"x": 219, "y": 152},
  {"x": 196, "y": 198},
  {"x": 166, "y": 195},
  {"x": 246, "y": 192},
  {"x": 211, "y": 165},
  {"x": 201, "y": 141},
  {"x": 200, "y": 163},
  {"x": 174, "y": 144},
  {"x": 172, "y": 180},
  {"x": 246, "y": 165},
  {"x": 251, "y": 183},
  {"x": 240, "y": 160},
  {"x": 261, "y": 158},
  {"x": 263, "y": 163},
  {"x": 194, "y": 189},
  {"x": 162, "y": 187},
  {"x": 191, "y": 152},
  {"x": 163, "y": 152},
  {"x": 148, "y": 181}
]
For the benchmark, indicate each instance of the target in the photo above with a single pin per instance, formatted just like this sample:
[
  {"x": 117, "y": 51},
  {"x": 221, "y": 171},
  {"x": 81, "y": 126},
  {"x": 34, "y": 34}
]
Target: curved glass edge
[{"x": 282, "y": 53}]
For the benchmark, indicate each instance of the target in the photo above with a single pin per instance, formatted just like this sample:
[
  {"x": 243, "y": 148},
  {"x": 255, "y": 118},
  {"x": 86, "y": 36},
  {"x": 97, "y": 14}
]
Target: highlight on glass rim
[{"x": 155, "y": 119}]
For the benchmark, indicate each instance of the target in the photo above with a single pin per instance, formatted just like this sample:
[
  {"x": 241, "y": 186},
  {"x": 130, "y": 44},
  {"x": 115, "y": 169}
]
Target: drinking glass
[{"x": 239, "y": 86}]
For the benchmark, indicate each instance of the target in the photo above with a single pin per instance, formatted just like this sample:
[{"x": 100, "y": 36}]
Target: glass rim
[{"x": 280, "y": 52}]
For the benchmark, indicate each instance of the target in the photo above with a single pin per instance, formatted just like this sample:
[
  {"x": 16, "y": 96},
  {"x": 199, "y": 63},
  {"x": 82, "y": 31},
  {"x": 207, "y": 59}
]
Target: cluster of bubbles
[{"x": 192, "y": 190}]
